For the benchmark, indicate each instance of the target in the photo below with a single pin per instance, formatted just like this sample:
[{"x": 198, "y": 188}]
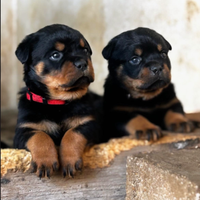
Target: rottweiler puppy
[
  {"x": 139, "y": 99},
  {"x": 55, "y": 107}
]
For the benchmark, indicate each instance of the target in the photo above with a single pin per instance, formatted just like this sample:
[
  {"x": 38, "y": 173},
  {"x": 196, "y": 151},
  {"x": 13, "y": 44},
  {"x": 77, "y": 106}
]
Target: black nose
[
  {"x": 156, "y": 69},
  {"x": 81, "y": 64}
]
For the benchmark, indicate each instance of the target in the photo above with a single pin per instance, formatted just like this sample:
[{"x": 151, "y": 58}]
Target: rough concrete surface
[{"x": 164, "y": 175}]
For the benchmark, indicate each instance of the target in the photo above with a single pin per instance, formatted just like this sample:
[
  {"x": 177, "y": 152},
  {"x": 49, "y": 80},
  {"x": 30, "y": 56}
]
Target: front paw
[
  {"x": 143, "y": 129},
  {"x": 44, "y": 165},
  {"x": 71, "y": 151},
  {"x": 177, "y": 122},
  {"x": 149, "y": 134},
  {"x": 182, "y": 127},
  {"x": 70, "y": 165},
  {"x": 44, "y": 154}
]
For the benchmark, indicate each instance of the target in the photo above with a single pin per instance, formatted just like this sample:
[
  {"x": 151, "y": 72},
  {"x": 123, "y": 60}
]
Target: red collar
[{"x": 37, "y": 98}]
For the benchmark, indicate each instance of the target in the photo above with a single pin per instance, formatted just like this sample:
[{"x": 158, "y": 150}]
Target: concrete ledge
[{"x": 164, "y": 175}]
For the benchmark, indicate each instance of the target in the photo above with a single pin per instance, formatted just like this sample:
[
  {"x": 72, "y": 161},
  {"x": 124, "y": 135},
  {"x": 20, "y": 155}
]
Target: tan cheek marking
[
  {"x": 55, "y": 79},
  {"x": 150, "y": 95},
  {"x": 145, "y": 72},
  {"x": 91, "y": 69},
  {"x": 68, "y": 72},
  {"x": 138, "y": 51},
  {"x": 166, "y": 71},
  {"x": 128, "y": 82},
  {"x": 69, "y": 95},
  {"x": 173, "y": 117},
  {"x": 45, "y": 125},
  {"x": 132, "y": 84},
  {"x": 52, "y": 80},
  {"x": 59, "y": 46},
  {"x": 159, "y": 47},
  {"x": 77, "y": 121},
  {"x": 82, "y": 42},
  {"x": 56, "y": 92},
  {"x": 39, "y": 68}
]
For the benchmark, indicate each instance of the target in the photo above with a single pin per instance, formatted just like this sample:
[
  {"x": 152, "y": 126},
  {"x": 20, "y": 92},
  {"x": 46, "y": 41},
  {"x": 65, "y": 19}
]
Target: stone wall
[{"x": 99, "y": 21}]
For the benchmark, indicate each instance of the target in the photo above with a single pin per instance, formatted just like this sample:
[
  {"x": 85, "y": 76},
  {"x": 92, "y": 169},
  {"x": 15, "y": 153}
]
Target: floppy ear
[
  {"x": 107, "y": 51},
  {"x": 90, "y": 50},
  {"x": 168, "y": 44},
  {"x": 24, "y": 49}
]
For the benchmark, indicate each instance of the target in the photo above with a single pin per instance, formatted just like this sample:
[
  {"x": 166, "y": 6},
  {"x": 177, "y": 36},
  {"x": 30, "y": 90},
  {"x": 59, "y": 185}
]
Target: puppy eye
[
  {"x": 56, "y": 56},
  {"x": 164, "y": 55},
  {"x": 135, "y": 60},
  {"x": 85, "y": 50}
]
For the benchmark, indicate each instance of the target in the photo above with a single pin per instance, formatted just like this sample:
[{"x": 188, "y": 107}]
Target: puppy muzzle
[
  {"x": 80, "y": 64},
  {"x": 156, "y": 69}
]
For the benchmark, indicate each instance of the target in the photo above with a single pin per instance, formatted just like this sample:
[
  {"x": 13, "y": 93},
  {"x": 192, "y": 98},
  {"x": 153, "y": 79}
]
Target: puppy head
[
  {"x": 57, "y": 62},
  {"x": 138, "y": 59}
]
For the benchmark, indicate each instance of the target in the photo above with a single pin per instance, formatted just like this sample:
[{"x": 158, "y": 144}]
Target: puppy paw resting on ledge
[{"x": 98, "y": 156}]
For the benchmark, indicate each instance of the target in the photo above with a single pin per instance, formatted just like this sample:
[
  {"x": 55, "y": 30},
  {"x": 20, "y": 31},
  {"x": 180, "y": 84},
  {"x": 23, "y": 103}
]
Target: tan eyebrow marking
[
  {"x": 59, "y": 46},
  {"x": 39, "y": 68},
  {"x": 82, "y": 43},
  {"x": 159, "y": 47},
  {"x": 138, "y": 51}
]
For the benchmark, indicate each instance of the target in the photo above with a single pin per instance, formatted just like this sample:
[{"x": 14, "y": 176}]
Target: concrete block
[{"x": 164, "y": 175}]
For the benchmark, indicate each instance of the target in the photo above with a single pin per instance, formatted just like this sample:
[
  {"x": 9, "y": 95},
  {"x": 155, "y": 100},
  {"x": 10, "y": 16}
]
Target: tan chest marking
[
  {"x": 45, "y": 125},
  {"x": 76, "y": 121}
]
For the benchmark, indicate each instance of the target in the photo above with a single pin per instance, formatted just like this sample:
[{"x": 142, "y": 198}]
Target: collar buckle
[
  {"x": 44, "y": 101},
  {"x": 30, "y": 95}
]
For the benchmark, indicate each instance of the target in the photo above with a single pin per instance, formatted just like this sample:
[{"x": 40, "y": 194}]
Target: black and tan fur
[
  {"x": 57, "y": 65},
  {"x": 139, "y": 98}
]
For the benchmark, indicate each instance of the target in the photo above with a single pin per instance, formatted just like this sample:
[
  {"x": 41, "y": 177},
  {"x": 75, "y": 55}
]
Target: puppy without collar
[{"x": 139, "y": 98}]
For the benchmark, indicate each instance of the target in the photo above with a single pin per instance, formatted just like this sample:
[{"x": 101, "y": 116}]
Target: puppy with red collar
[{"x": 55, "y": 108}]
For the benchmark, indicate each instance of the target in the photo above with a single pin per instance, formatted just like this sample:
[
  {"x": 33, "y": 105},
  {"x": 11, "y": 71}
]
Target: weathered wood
[{"x": 108, "y": 183}]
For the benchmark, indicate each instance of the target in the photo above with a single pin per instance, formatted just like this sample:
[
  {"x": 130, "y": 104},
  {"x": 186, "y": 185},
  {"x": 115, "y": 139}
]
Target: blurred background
[{"x": 100, "y": 20}]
